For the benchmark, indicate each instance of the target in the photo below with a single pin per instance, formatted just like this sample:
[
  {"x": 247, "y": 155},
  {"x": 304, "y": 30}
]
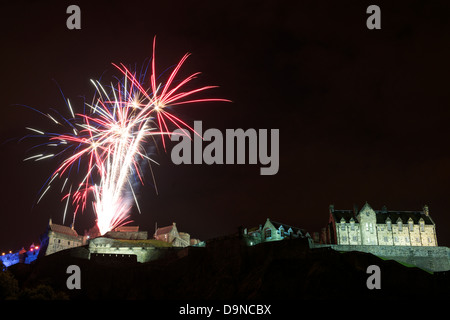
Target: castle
[
  {"x": 408, "y": 237},
  {"x": 381, "y": 227}
]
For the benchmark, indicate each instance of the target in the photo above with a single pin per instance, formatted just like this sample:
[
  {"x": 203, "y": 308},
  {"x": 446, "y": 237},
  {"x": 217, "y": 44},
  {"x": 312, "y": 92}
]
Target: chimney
[
  {"x": 425, "y": 210},
  {"x": 331, "y": 208}
]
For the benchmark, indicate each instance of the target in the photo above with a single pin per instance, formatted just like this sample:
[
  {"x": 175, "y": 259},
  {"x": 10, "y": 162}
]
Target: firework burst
[{"x": 109, "y": 144}]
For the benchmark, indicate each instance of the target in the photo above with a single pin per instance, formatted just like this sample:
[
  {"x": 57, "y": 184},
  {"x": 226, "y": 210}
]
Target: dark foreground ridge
[{"x": 228, "y": 269}]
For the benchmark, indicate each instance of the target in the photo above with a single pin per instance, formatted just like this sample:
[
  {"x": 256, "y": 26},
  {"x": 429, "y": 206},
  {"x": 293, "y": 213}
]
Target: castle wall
[
  {"x": 60, "y": 241},
  {"x": 428, "y": 236},
  {"x": 384, "y": 235},
  {"x": 10, "y": 259},
  {"x": 106, "y": 247},
  {"x": 348, "y": 233},
  {"x": 128, "y": 235},
  {"x": 354, "y": 234},
  {"x": 378, "y": 234},
  {"x": 400, "y": 233},
  {"x": 430, "y": 258}
]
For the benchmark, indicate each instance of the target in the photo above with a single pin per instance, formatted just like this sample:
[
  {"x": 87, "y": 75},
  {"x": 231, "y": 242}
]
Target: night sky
[{"x": 363, "y": 114}]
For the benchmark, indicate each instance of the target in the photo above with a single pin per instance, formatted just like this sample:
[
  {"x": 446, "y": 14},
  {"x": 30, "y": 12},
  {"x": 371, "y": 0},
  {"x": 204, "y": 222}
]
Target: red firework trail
[{"x": 113, "y": 139}]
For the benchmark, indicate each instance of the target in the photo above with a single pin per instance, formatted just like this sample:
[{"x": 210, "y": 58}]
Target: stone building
[
  {"x": 59, "y": 237},
  {"x": 109, "y": 250},
  {"x": 273, "y": 231},
  {"x": 127, "y": 233},
  {"x": 381, "y": 227},
  {"x": 171, "y": 235}
]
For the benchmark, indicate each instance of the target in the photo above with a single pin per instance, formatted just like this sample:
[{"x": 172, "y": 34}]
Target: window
[
  {"x": 389, "y": 225},
  {"x": 411, "y": 226},
  {"x": 268, "y": 233},
  {"x": 422, "y": 226},
  {"x": 400, "y": 226},
  {"x": 344, "y": 239},
  {"x": 367, "y": 226},
  {"x": 385, "y": 239},
  {"x": 342, "y": 226},
  {"x": 352, "y": 224},
  {"x": 395, "y": 239}
]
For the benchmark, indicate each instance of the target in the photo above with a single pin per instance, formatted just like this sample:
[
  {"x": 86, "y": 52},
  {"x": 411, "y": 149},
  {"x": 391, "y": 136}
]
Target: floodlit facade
[
  {"x": 170, "y": 234},
  {"x": 380, "y": 227},
  {"x": 273, "y": 231},
  {"x": 59, "y": 237}
]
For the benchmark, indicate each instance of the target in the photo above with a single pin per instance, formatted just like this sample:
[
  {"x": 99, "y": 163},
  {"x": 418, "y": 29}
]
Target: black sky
[{"x": 363, "y": 114}]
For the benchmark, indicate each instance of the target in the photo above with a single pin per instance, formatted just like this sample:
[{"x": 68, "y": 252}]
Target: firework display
[{"x": 103, "y": 150}]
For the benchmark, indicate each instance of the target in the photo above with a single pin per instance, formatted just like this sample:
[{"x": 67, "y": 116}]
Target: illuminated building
[
  {"x": 170, "y": 234},
  {"x": 381, "y": 227},
  {"x": 128, "y": 233},
  {"x": 59, "y": 237},
  {"x": 22, "y": 256},
  {"x": 273, "y": 231}
]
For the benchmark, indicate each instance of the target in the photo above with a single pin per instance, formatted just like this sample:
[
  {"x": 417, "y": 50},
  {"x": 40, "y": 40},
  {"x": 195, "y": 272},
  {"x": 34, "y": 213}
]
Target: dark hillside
[{"x": 227, "y": 269}]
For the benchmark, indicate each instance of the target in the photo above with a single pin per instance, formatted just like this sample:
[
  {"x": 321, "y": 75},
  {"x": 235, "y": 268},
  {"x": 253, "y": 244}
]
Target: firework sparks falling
[{"x": 109, "y": 144}]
